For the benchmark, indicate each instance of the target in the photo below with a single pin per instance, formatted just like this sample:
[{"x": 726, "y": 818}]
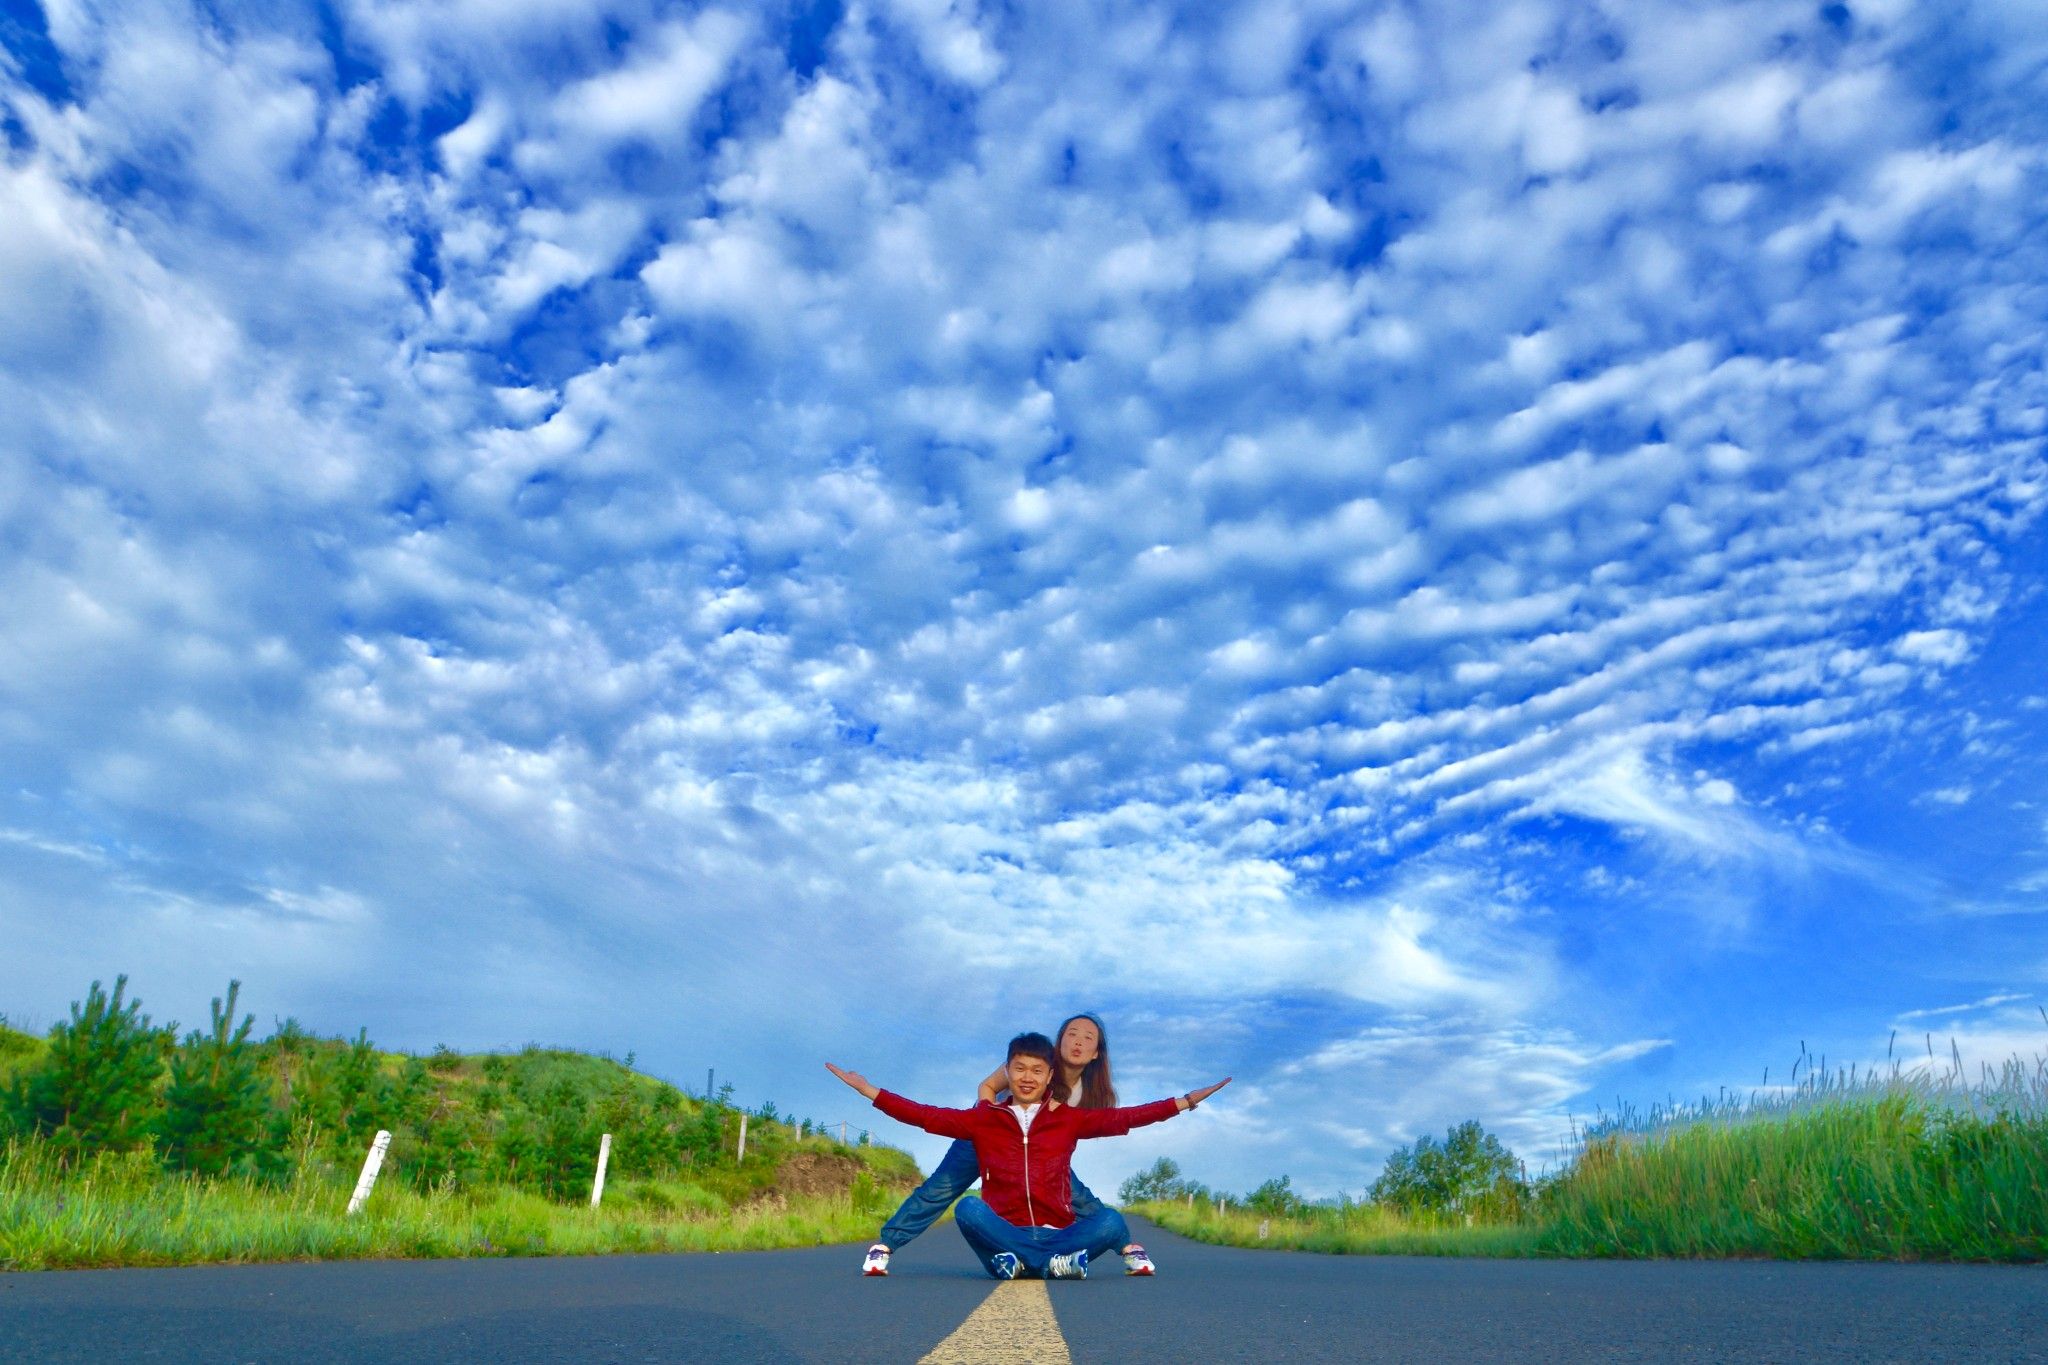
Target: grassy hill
[{"x": 491, "y": 1154}]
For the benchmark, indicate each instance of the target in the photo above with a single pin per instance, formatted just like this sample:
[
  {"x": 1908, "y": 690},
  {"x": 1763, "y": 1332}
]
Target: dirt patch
[{"x": 812, "y": 1173}]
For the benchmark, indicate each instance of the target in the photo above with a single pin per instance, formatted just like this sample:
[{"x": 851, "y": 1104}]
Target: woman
[{"x": 1084, "y": 1080}]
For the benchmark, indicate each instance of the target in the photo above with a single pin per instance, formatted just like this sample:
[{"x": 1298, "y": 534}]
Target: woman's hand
[
  {"x": 1195, "y": 1097},
  {"x": 992, "y": 1085},
  {"x": 867, "y": 1088}
]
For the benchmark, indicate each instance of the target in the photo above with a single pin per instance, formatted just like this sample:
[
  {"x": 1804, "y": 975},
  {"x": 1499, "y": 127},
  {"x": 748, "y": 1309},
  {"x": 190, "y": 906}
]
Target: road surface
[{"x": 1207, "y": 1304}]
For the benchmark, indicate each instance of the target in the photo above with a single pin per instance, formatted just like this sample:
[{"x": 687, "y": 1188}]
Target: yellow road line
[{"x": 1013, "y": 1326}]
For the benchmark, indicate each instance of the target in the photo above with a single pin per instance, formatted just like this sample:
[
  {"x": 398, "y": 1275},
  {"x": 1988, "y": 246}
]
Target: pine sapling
[
  {"x": 217, "y": 1105},
  {"x": 95, "y": 1088}
]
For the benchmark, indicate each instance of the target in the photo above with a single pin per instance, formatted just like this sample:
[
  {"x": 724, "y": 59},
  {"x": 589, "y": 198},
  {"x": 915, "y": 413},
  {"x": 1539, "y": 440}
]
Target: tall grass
[
  {"x": 1915, "y": 1163},
  {"x": 1902, "y": 1163},
  {"x": 127, "y": 1211},
  {"x": 1345, "y": 1229}
]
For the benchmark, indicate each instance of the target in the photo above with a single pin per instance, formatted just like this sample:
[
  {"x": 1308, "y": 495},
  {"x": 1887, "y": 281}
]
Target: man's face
[{"x": 1028, "y": 1078}]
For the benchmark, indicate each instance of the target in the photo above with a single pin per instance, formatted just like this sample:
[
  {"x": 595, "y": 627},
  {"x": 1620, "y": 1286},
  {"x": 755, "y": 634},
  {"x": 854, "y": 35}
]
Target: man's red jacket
[{"x": 1024, "y": 1176}]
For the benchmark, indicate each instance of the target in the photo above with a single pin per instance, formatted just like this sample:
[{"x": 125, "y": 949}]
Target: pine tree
[
  {"x": 360, "y": 1091},
  {"x": 565, "y": 1158},
  {"x": 290, "y": 1044},
  {"x": 217, "y": 1106},
  {"x": 95, "y": 1089}
]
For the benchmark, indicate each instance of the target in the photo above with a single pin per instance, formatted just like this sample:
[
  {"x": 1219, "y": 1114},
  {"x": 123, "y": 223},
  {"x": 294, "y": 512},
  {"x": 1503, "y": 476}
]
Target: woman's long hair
[{"x": 1098, "y": 1091}]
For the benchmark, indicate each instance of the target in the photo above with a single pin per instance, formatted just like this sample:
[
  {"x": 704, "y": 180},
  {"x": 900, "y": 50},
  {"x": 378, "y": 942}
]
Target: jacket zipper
[{"x": 1030, "y": 1209}]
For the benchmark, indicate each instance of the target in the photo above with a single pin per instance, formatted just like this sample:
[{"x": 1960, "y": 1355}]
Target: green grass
[
  {"x": 127, "y": 1211},
  {"x": 1344, "y": 1230},
  {"x": 1901, "y": 1168},
  {"x": 1902, "y": 1165}
]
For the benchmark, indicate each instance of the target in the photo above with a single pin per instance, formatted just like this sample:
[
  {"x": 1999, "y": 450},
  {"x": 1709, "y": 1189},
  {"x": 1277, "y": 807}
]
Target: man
[{"x": 1024, "y": 1222}]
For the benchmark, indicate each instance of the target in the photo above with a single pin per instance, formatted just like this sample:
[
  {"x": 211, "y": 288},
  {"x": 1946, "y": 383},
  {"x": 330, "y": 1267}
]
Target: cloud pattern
[{"x": 1291, "y": 523}]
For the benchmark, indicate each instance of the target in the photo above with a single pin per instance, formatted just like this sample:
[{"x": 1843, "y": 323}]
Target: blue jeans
[
  {"x": 989, "y": 1233},
  {"x": 950, "y": 1179}
]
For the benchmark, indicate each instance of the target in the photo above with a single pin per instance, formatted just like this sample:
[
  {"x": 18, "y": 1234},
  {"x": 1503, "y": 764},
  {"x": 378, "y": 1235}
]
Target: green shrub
[
  {"x": 1161, "y": 1181},
  {"x": 1469, "y": 1172},
  {"x": 1276, "y": 1197},
  {"x": 95, "y": 1087},
  {"x": 217, "y": 1111}
]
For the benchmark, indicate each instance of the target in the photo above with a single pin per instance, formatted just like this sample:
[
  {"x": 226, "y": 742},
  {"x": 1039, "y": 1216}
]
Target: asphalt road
[{"x": 1207, "y": 1304}]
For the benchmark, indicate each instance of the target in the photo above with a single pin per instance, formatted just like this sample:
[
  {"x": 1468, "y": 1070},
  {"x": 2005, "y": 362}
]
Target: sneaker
[
  {"x": 877, "y": 1262},
  {"x": 1136, "y": 1262},
  {"x": 1004, "y": 1265},
  {"x": 1072, "y": 1266}
]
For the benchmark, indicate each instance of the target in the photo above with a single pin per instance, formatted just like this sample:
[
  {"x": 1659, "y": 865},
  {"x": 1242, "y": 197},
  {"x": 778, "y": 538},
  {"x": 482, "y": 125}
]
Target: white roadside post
[
  {"x": 743, "y": 1139},
  {"x": 604, "y": 1156},
  {"x": 372, "y": 1164}
]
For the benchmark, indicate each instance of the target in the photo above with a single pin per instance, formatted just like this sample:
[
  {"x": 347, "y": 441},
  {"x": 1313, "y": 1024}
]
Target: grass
[
  {"x": 793, "y": 1189},
  {"x": 1902, "y": 1165},
  {"x": 1342, "y": 1229},
  {"x": 126, "y": 1211},
  {"x": 1899, "y": 1165}
]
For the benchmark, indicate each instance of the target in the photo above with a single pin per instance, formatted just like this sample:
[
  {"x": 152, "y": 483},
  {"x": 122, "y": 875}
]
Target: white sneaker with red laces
[
  {"x": 1136, "y": 1262},
  {"x": 877, "y": 1262}
]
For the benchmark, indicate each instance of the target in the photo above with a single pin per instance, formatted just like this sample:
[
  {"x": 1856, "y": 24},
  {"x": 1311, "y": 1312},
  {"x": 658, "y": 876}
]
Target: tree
[
  {"x": 1277, "y": 1197},
  {"x": 95, "y": 1089},
  {"x": 217, "y": 1106},
  {"x": 1161, "y": 1182},
  {"x": 290, "y": 1044},
  {"x": 360, "y": 1091},
  {"x": 564, "y": 1156},
  {"x": 1468, "y": 1169}
]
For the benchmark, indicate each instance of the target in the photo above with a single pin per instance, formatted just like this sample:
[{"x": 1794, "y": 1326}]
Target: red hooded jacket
[{"x": 1024, "y": 1175}]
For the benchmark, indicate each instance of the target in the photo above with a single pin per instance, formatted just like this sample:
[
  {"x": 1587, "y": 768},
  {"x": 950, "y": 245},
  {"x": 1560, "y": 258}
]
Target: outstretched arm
[
  {"x": 1195, "y": 1097},
  {"x": 1116, "y": 1122},
  {"x": 956, "y": 1123},
  {"x": 867, "y": 1088}
]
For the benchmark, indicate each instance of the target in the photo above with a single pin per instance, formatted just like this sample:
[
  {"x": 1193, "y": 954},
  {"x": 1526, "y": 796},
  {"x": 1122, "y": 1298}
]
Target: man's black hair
[{"x": 1033, "y": 1045}]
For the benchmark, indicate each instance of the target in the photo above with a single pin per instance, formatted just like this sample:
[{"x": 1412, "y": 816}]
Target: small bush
[
  {"x": 95, "y": 1088},
  {"x": 217, "y": 1112}
]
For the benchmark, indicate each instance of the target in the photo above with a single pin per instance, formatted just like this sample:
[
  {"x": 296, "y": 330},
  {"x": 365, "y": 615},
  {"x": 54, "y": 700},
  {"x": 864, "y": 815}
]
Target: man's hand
[
  {"x": 867, "y": 1088},
  {"x": 1195, "y": 1097}
]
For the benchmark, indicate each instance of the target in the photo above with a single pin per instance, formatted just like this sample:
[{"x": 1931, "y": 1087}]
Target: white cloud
[
  {"x": 656, "y": 91},
  {"x": 950, "y": 38},
  {"x": 1059, "y": 472}
]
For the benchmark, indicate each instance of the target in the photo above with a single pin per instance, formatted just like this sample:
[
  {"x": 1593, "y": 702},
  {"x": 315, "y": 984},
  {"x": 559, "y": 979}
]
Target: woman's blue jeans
[
  {"x": 951, "y": 1178},
  {"x": 989, "y": 1233}
]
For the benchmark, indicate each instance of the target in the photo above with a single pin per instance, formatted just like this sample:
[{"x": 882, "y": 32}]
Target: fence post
[
  {"x": 743, "y": 1140},
  {"x": 604, "y": 1156},
  {"x": 372, "y": 1164},
  {"x": 1191, "y": 1201}
]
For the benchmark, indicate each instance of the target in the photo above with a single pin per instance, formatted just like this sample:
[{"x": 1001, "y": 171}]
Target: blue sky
[{"x": 1455, "y": 561}]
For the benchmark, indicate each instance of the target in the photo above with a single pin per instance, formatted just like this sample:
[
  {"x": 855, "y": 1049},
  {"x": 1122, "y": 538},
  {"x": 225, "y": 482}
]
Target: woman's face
[{"x": 1080, "y": 1042}]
